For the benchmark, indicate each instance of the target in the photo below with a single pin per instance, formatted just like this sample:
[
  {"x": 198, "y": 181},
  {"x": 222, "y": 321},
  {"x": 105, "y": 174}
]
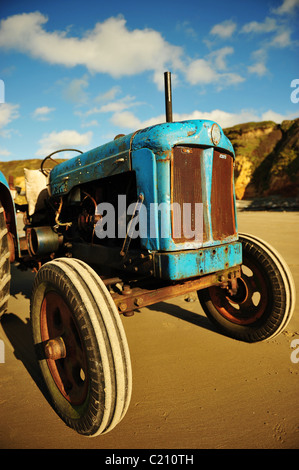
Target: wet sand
[{"x": 192, "y": 387}]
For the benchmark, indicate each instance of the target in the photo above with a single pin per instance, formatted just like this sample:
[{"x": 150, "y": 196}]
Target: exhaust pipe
[
  {"x": 168, "y": 97},
  {"x": 43, "y": 240}
]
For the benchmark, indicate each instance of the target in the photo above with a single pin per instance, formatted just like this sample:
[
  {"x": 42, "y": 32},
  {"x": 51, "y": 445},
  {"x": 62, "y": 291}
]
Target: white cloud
[
  {"x": 108, "y": 95},
  {"x": 185, "y": 27},
  {"x": 202, "y": 71},
  {"x": 259, "y": 68},
  {"x": 276, "y": 117},
  {"x": 267, "y": 26},
  {"x": 213, "y": 70},
  {"x": 4, "y": 152},
  {"x": 8, "y": 112},
  {"x": 223, "y": 118},
  {"x": 224, "y": 30},
  {"x": 116, "y": 106},
  {"x": 119, "y": 105},
  {"x": 282, "y": 39},
  {"x": 219, "y": 57},
  {"x": 126, "y": 120},
  {"x": 129, "y": 121},
  {"x": 110, "y": 47},
  {"x": 226, "y": 119},
  {"x": 41, "y": 114},
  {"x": 92, "y": 123},
  {"x": 64, "y": 139},
  {"x": 287, "y": 6},
  {"x": 75, "y": 92}
]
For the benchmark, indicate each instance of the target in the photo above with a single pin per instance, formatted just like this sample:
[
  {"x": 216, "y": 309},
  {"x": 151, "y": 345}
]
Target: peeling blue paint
[{"x": 190, "y": 263}]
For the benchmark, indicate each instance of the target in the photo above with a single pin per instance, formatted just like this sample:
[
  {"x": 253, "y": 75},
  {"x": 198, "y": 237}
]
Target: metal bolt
[
  {"x": 138, "y": 301},
  {"x": 126, "y": 290},
  {"x": 122, "y": 306}
]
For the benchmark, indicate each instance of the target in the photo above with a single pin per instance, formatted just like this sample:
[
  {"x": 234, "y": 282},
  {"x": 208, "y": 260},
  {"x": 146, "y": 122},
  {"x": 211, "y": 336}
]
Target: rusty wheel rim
[
  {"x": 69, "y": 370},
  {"x": 251, "y": 300}
]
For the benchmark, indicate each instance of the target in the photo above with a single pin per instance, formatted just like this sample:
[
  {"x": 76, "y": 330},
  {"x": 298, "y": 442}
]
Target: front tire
[
  {"x": 89, "y": 374},
  {"x": 4, "y": 263},
  {"x": 265, "y": 300}
]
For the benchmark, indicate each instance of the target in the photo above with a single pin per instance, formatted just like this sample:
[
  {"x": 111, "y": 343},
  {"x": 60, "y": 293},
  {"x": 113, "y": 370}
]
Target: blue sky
[{"x": 76, "y": 73}]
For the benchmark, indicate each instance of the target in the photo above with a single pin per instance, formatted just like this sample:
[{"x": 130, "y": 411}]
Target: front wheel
[
  {"x": 265, "y": 299},
  {"x": 81, "y": 346},
  {"x": 4, "y": 263}
]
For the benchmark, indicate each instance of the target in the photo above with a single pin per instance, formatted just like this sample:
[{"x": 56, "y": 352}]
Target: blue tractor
[{"x": 144, "y": 218}]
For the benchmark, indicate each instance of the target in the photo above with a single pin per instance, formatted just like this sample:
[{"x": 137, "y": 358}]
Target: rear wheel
[
  {"x": 4, "y": 263},
  {"x": 82, "y": 348},
  {"x": 265, "y": 299}
]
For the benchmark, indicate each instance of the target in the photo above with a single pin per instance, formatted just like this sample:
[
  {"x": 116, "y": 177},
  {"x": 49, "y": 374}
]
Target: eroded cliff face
[{"x": 267, "y": 158}]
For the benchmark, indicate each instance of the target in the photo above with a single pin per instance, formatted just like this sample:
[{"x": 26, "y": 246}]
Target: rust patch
[
  {"x": 186, "y": 187},
  {"x": 222, "y": 198}
]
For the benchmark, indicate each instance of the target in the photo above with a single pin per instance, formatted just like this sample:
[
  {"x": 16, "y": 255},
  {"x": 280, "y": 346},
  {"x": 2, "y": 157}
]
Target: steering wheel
[{"x": 49, "y": 157}]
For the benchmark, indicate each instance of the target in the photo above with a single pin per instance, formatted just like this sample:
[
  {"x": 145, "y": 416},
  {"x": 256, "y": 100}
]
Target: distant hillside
[{"x": 267, "y": 160}]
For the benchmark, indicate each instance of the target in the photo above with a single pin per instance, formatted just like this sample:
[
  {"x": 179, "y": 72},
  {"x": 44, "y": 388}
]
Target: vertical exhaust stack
[{"x": 168, "y": 97}]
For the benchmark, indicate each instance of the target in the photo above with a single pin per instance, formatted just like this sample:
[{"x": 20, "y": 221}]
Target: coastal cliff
[{"x": 267, "y": 158}]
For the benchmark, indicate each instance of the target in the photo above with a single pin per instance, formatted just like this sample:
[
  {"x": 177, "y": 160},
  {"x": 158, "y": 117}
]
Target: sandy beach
[{"x": 192, "y": 387}]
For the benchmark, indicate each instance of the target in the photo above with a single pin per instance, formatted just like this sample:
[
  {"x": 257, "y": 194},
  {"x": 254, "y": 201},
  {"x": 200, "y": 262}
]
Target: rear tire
[
  {"x": 91, "y": 384},
  {"x": 265, "y": 300},
  {"x": 4, "y": 264}
]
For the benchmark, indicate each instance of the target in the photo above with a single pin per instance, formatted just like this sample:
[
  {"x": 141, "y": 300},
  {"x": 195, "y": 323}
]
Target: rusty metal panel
[
  {"x": 186, "y": 188},
  {"x": 222, "y": 196}
]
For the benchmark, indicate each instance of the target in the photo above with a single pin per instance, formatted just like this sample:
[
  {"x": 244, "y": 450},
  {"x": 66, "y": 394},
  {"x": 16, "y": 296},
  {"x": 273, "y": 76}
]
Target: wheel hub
[
  {"x": 247, "y": 303},
  {"x": 55, "y": 349},
  {"x": 63, "y": 347}
]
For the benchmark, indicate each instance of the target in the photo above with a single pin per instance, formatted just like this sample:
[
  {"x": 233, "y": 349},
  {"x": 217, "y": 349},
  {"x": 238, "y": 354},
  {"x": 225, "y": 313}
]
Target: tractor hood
[{"x": 115, "y": 157}]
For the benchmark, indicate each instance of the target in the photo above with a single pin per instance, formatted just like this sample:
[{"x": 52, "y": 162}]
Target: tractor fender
[{"x": 8, "y": 205}]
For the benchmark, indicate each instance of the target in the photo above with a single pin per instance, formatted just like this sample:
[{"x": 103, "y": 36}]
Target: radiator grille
[
  {"x": 222, "y": 199},
  {"x": 187, "y": 187}
]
